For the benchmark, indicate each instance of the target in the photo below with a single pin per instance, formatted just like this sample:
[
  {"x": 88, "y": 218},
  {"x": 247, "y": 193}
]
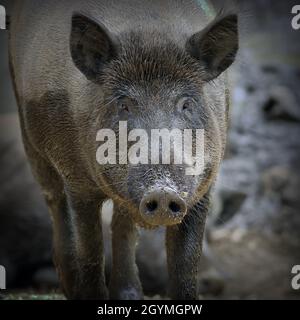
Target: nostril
[
  {"x": 174, "y": 206},
  {"x": 151, "y": 205}
]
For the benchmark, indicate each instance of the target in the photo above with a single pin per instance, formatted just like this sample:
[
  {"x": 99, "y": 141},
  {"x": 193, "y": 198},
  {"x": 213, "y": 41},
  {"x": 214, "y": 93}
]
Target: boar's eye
[
  {"x": 185, "y": 104},
  {"x": 122, "y": 106},
  {"x": 124, "y": 103}
]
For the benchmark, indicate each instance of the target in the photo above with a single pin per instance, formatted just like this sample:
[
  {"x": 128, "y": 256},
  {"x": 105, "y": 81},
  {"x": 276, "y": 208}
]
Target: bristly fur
[{"x": 153, "y": 60}]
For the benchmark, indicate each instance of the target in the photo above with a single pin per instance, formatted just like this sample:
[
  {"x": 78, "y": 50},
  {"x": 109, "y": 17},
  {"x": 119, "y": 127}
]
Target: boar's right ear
[
  {"x": 216, "y": 46},
  {"x": 91, "y": 46}
]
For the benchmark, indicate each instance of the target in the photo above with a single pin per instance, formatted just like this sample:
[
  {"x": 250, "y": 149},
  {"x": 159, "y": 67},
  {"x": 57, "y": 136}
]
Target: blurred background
[{"x": 253, "y": 232}]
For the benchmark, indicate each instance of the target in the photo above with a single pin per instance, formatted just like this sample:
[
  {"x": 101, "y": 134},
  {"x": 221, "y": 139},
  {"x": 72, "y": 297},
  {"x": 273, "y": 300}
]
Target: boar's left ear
[
  {"x": 216, "y": 46},
  {"x": 91, "y": 46}
]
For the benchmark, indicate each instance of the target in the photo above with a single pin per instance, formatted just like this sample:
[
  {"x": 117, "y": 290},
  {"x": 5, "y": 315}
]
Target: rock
[{"x": 281, "y": 104}]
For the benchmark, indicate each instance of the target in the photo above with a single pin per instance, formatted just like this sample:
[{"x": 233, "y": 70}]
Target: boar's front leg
[
  {"x": 184, "y": 247},
  {"x": 88, "y": 242},
  {"x": 124, "y": 282},
  {"x": 78, "y": 248}
]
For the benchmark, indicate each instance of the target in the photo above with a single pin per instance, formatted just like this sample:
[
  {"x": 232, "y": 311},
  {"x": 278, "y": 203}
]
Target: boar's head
[{"x": 149, "y": 81}]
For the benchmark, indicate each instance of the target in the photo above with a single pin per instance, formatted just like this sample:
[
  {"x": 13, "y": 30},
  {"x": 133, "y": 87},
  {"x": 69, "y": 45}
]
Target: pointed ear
[
  {"x": 91, "y": 46},
  {"x": 216, "y": 46}
]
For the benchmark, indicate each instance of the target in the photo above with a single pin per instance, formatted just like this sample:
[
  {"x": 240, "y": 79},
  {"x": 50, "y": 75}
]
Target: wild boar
[{"x": 88, "y": 65}]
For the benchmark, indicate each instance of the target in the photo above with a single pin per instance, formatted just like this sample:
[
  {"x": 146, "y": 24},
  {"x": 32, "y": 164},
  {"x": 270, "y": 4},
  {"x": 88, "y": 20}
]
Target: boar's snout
[{"x": 162, "y": 207}]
